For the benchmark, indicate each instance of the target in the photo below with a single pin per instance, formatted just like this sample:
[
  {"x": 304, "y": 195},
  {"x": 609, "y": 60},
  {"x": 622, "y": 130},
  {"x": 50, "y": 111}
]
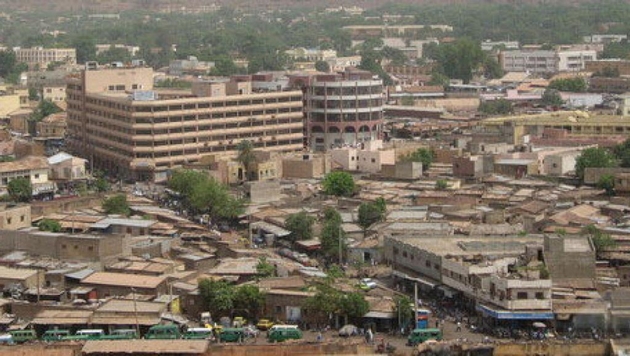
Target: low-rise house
[
  {"x": 121, "y": 284},
  {"x": 15, "y": 217},
  {"x": 66, "y": 167},
  {"x": 370, "y": 158},
  {"x": 26, "y": 278},
  {"x": 52, "y": 126},
  {"x": 34, "y": 168},
  {"x": 517, "y": 168}
]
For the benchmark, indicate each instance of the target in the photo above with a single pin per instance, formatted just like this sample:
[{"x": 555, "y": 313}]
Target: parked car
[
  {"x": 264, "y": 324},
  {"x": 348, "y": 330},
  {"x": 367, "y": 284}
]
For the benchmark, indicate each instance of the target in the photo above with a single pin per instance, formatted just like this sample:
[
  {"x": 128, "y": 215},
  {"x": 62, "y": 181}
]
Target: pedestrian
[
  {"x": 319, "y": 337},
  {"x": 459, "y": 326},
  {"x": 437, "y": 323},
  {"x": 370, "y": 336}
]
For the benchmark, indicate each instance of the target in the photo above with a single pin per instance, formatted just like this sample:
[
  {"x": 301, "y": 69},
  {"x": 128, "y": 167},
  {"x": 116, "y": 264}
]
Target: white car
[{"x": 367, "y": 284}]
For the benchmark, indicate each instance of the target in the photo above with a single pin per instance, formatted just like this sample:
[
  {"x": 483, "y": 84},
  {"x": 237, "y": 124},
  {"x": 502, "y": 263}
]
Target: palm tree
[{"x": 245, "y": 155}]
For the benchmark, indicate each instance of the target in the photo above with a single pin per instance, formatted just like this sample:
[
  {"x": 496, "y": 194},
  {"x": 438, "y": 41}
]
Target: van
[
  {"x": 55, "y": 335},
  {"x": 279, "y": 333},
  {"x": 232, "y": 335},
  {"x": 121, "y": 334},
  {"x": 170, "y": 331},
  {"x": 198, "y": 333},
  {"x": 21, "y": 336},
  {"x": 86, "y": 334},
  {"x": 6, "y": 339},
  {"x": 419, "y": 336}
]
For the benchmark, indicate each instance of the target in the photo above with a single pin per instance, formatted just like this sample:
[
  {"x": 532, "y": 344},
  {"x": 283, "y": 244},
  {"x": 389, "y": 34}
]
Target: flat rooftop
[{"x": 471, "y": 245}]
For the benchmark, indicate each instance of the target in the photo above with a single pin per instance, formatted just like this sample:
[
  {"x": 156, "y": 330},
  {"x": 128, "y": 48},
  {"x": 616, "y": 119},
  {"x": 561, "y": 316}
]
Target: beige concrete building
[
  {"x": 26, "y": 277},
  {"x": 54, "y": 93},
  {"x": 66, "y": 167},
  {"x": 12, "y": 100},
  {"x": 369, "y": 159},
  {"x": 14, "y": 217},
  {"x": 126, "y": 128},
  {"x": 43, "y": 56},
  {"x": 33, "y": 168},
  {"x": 52, "y": 126}
]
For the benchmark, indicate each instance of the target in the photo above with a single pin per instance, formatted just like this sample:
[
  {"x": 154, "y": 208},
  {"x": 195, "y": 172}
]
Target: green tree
[
  {"x": 113, "y": 54},
  {"x": 423, "y": 155},
  {"x": 569, "y": 84},
  {"x": 184, "y": 181},
  {"x": 211, "y": 197},
  {"x": 117, "y": 204},
  {"x": 622, "y": 152},
  {"x": 264, "y": 269},
  {"x": 369, "y": 214},
  {"x": 322, "y": 66},
  {"x": 20, "y": 190},
  {"x": 496, "y": 107},
  {"x": 403, "y": 310},
  {"x": 460, "y": 59},
  {"x": 86, "y": 48},
  {"x": 250, "y": 298},
  {"x": 101, "y": 185},
  {"x": 333, "y": 238},
  {"x": 339, "y": 183},
  {"x": 593, "y": 158},
  {"x": 353, "y": 305},
  {"x": 601, "y": 241},
  {"x": 33, "y": 94},
  {"x": 44, "y": 108},
  {"x": 551, "y": 97},
  {"x": 218, "y": 296},
  {"x": 441, "y": 184},
  {"x": 607, "y": 182},
  {"x": 301, "y": 226},
  {"x": 246, "y": 156},
  {"x": 224, "y": 65},
  {"x": 49, "y": 225}
]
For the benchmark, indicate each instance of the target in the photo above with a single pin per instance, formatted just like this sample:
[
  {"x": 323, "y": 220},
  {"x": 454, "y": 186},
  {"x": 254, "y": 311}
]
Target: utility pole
[
  {"x": 339, "y": 239},
  {"x": 415, "y": 303},
  {"x": 135, "y": 310}
]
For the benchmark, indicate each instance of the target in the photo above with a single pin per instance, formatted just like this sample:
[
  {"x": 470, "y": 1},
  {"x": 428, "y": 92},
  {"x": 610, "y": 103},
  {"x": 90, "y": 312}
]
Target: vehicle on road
[
  {"x": 367, "y": 284},
  {"x": 419, "y": 336},
  {"x": 279, "y": 333},
  {"x": 162, "y": 332},
  {"x": 121, "y": 334},
  {"x": 55, "y": 334},
  {"x": 348, "y": 330},
  {"x": 20, "y": 336},
  {"x": 264, "y": 324}
]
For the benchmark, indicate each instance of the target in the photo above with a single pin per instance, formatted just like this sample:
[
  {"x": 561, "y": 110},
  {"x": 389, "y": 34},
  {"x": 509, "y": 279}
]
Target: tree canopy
[
  {"x": 371, "y": 213},
  {"x": 569, "y": 84},
  {"x": 424, "y": 155},
  {"x": 202, "y": 194},
  {"x": 301, "y": 226},
  {"x": 117, "y": 205},
  {"x": 221, "y": 298},
  {"x": 49, "y": 225},
  {"x": 20, "y": 190},
  {"x": 332, "y": 236},
  {"x": 594, "y": 158},
  {"x": 339, "y": 183}
]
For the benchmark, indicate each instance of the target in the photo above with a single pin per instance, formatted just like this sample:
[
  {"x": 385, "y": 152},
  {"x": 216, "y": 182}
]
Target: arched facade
[{"x": 345, "y": 112}]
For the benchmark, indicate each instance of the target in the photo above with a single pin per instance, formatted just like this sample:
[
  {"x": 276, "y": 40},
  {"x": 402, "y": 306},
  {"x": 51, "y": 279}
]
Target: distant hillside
[{"x": 112, "y": 6}]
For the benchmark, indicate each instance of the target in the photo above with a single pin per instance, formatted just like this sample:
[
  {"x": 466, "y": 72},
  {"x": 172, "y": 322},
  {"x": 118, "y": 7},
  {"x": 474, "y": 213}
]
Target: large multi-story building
[
  {"x": 44, "y": 56},
  {"x": 546, "y": 61},
  {"x": 343, "y": 109},
  {"x": 117, "y": 121}
]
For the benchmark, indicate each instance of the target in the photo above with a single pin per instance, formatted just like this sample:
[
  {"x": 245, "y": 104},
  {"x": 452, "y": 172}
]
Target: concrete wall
[
  {"x": 264, "y": 191},
  {"x": 41, "y": 208},
  {"x": 564, "y": 264},
  {"x": 312, "y": 167},
  {"x": 551, "y": 349},
  {"x": 592, "y": 175},
  {"x": 14, "y": 218}
]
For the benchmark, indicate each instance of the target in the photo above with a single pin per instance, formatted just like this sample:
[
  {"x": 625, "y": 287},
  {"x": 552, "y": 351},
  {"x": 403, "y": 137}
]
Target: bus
[{"x": 419, "y": 336}]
